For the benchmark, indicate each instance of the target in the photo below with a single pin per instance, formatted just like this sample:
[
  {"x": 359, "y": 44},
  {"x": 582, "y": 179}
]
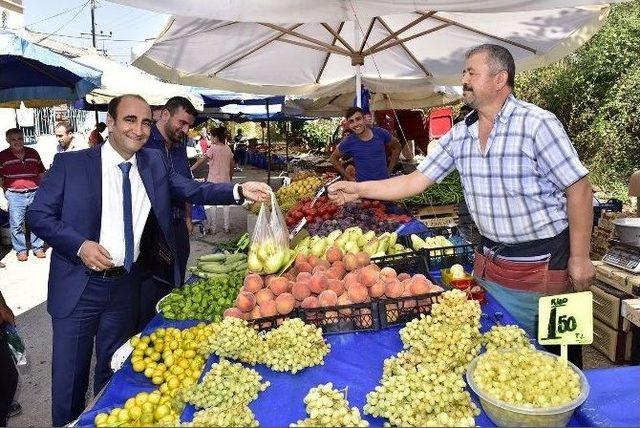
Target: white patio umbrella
[{"x": 309, "y": 48}]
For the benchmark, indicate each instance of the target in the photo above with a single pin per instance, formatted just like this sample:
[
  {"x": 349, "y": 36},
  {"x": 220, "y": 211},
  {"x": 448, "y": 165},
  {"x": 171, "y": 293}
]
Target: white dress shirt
[{"x": 112, "y": 226}]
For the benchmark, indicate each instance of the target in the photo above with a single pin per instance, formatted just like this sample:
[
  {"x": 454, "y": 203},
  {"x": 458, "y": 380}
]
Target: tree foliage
[{"x": 594, "y": 92}]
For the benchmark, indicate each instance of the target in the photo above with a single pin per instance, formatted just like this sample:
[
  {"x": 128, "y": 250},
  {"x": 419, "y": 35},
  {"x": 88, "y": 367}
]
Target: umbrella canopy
[
  {"x": 398, "y": 53},
  {"x": 39, "y": 77},
  {"x": 119, "y": 79}
]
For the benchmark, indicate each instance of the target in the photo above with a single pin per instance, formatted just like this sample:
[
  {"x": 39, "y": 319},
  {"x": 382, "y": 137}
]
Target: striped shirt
[
  {"x": 515, "y": 190},
  {"x": 20, "y": 174}
]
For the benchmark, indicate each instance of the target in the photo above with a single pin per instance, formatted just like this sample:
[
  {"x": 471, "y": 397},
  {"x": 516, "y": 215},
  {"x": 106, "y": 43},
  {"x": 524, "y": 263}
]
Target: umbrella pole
[
  {"x": 356, "y": 38},
  {"x": 268, "y": 146},
  {"x": 286, "y": 147}
]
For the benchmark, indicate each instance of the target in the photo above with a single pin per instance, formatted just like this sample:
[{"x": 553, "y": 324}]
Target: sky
[{"x": 128, "y": 25}]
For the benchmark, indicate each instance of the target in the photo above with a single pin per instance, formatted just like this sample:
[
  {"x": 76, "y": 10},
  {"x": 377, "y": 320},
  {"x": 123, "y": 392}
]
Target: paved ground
[{"x": 24, "y": 286}]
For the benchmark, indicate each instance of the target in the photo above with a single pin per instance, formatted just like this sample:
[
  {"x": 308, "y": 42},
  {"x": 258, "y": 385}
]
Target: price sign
[{"x": 566, "y": 319}]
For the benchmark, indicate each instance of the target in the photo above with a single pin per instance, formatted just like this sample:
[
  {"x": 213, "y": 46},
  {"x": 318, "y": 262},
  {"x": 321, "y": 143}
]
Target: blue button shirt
[{"x": 176, "y": 158}]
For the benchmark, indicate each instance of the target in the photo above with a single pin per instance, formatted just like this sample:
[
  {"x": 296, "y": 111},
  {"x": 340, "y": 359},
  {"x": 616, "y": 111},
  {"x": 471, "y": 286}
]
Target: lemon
[
  {"x": 112, "y": 419},
  {"x": 147, "y": 407},
  {"x": 138, "y": 366},
  {"x": 134, "y": 341},
  {"x": 100, "y": 419},
  {"x": 157, "y": 380},
  {"x": 148, "y": 372},
  {"x": 141, "y": 398},
  {"x": 146, "y": 419},
  {"x": 123, "y": 416},
  {"x": 154, "y": 397},
  {"x": 135, "y": 413},
  {"x": 130, "y": 403},
  {"x": 161, "y": 411}
]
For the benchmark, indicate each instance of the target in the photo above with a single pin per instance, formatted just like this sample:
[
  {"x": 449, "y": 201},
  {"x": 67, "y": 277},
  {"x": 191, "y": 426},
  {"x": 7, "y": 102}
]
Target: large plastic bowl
[{"x": 510, "y": 415}]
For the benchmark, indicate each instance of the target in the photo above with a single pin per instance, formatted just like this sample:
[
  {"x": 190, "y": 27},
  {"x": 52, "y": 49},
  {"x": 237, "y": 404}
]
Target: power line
[
  {"x": 65, "y": 24},
  {"x": 54, "y": 16}
]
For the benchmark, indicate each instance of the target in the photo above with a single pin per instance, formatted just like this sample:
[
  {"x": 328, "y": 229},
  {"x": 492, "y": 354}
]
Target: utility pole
[{"x": 93, "y": 37}]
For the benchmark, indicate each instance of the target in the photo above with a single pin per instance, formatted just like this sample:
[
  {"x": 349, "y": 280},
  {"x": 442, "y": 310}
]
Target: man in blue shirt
[
  {"x": 168, "y": 135},
  {"x": 368, "y": 148}
]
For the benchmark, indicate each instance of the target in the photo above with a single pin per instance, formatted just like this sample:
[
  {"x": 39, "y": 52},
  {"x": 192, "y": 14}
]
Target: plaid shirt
[{"x": 514, "y": 191}]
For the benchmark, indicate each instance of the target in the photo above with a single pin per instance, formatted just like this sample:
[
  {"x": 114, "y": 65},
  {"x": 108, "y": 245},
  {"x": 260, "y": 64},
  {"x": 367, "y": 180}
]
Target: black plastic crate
[
  {"x": 343, "y": 318},
  {"x": 268, "y": 323},
  {"x": 613, "y": 205},
  {"x": 413, "y": 262},
  {"x": 447, "y": 232},
  {"x": 404, "y": 309},
  {"x": 444, "y": 257}
]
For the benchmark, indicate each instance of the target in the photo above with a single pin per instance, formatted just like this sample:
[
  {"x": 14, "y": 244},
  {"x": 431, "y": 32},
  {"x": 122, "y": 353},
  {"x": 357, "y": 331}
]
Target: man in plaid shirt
[{"x": 523, "y": 182}]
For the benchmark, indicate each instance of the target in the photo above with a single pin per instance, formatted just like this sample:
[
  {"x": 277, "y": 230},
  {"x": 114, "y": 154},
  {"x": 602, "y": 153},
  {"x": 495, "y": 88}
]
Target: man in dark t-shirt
[{"x": 366, "y": 146}]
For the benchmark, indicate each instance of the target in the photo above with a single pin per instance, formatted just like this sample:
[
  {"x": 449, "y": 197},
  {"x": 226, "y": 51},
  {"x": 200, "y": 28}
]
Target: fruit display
[
  {"x": 328, "y": 407},
  {"x": 267, "y": 257},
  {"x": 226, "y": 385},
  {"x": 352, "y": 240},
  {"x": 205, "y": 299},
  {"x": 322, "y": 209},
  {"x": 144, "y": 409},
  {"x": 170, "y": 357},
  {"x": 423, "y": 385},
  {"x": 506, "y": 337},
  {"x": 312, "y": 282},
  {"x": 240, "y": 416},
  {"x": 431, "y": 242},
  {"x": 366, "y": 215},
  {"x": 211, "y": 265},
  {"x": 299, "y": 189},
  {"x": 291, "y": 347},
  {"x": 526, "y": 377}
]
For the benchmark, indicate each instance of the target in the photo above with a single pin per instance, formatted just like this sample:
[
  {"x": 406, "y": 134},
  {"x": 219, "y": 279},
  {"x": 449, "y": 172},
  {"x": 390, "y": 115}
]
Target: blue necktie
[{"x": 128, "y": 215}]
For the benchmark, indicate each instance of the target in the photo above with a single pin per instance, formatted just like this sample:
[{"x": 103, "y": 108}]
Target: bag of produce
[{"x": 269, "y": 250}]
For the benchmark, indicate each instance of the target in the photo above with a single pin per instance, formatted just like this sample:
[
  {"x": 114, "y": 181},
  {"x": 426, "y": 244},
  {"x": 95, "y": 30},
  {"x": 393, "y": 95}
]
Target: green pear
[
  {"x": 351, "y": 247},
  {"x": 331, "y": 238},
  {"x": 371, "y": 247},
  {"x": 319, "y": 248},
  {"x": 417, "y": 242},
  {"x": 383, "y": 244},
  {"x": 366, "y": 238},
  {"x": 393, "y": 238}
]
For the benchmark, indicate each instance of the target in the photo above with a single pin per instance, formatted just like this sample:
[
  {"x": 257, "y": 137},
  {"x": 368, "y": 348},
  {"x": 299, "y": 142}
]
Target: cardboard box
[{"x": 631, "y": 311}]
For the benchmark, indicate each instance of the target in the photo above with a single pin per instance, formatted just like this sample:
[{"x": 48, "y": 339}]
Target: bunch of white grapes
[
  {"x": 506, "y": 337},
  {"x": 294, "y": 346},
  {"x": 226, "y": 385},
  {"x": 238, "y": 416},
  {"x": 526, "y": 377},
  {"x": 234, "y": 338},
  {"x": 327, "y": 407}
]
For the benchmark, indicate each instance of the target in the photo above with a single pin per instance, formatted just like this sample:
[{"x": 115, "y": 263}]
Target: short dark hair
[
  {"x": 220, "y": 133},
  {"x": 500, "y": 59},
  {"x": 351, "y": 111},
  {"x": 68, "y": 127},
  {"x": 101, "y": 126},
  {"x": 174, "y": 103},
  {"x": 13, "y": 131},
  {"x": 112, "y": 109}
]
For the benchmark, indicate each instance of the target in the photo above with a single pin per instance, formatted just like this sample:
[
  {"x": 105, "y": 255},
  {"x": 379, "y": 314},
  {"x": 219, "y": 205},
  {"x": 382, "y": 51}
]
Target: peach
[
  {"x": 375, "y": 267},
  {"x": 368, "y": 276},
  {"x": 334, "y": 254},
  {"x": 339, "y": 265},
  {"x": 285, "y": 303},
  {"x": 310, "y": 302},
  {"x": 301, "y": 258},
  {"x": 268, "y": 308},
  {"x": 350, "y": 262},
  {"x": 267, "y": 279},
  {"x": 319, "y": 268},
  {"x": 377, "y": 290},
  {"x": 313, "y": 261},
  {"x": 323, "y": 263},
  {"x": 300, "y": 291},
  {"x": 253, "y": 283},
  {"x": 388, "y": 274},
  {"x": 333, "y": 274},
  {"x": 304, "y": 267},
  {"x": 394, "y": 289},
  {"x": 350, "y": 279},
  {"x": 402, "y": 276},
  {"x": 419, "y": 287},
  {"x": 290, "y": 276},
  {"x": 304, "y": 276},
  {"x": 279, "y": 285},
  {"x": 264, "y": 295},
  {"x": 328, "y": 298},
  {"x": 318, "y": 283},
  {"x": 358, "y": 293},
  {"x": 362, "y": 259},
  {"x": 245, "y": 301},
  {"x": 409, "y": 303},
  {"x": 232, "y": 312},
  {"x": 344, "y": 300},
  {"x": 336, "y": 285},
  {"x": 255, "y": 313}
]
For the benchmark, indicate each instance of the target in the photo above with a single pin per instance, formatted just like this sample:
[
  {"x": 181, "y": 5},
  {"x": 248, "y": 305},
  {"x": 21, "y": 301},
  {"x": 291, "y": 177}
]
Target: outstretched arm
[{"x": 391, "y": 189}]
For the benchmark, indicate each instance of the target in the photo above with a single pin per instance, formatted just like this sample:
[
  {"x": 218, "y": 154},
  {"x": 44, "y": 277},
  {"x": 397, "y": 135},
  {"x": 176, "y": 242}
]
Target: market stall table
[{"x": 355, "y": 361}]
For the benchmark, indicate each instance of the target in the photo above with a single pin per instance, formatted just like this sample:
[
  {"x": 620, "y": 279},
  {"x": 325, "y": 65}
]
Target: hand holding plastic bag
[{"x": 269, "y": 250}]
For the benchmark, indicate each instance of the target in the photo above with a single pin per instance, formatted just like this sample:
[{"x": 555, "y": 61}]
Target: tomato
[
  {"x": 326, "y": 217},
  {"x": 366, "y": 203}
]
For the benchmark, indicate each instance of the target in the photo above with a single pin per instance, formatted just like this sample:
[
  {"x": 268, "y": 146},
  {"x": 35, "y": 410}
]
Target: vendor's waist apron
[{"x": 517, "y": 275}]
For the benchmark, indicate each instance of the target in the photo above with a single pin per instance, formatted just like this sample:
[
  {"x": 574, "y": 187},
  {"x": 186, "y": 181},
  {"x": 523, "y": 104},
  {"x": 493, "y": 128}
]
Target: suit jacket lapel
[
  {"x": 147, "y": 176},
  {"x": 94, "y": 174}
]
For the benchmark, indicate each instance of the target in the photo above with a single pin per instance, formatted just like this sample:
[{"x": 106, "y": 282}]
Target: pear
[
  {"x": 274, "y": 262},
  {"x": 266, "y": 249},
  {"x": 331, "y": 238},
  {"x": 378, "y": 254},
  {"x": 383, "y": 244},
  {"x": 417, "y": 242},
  {"x": 341, "y": 241},
  {"x": 371, "y": 247},
  {"x": 319, "y": 248},
  {"x": 366, "y": 238},
  {"x": 352, "y": 247},
  {"x": 254, "y": 263},
  {"x": 393, "y": 238}
]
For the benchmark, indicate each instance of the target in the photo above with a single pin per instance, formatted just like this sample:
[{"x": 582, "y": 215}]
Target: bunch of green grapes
[
  {"x": 327, "y": 407},
  {"x": 238, "y": 416},
  {"x": 506, "y": 337},
  {"x": 528, "y": 377},
  {"x": 227, "y": 384},
  {"x": 294, "y": 346},
  {"x": 234, "y": 338},
  {"x": 416, "y": 393}
]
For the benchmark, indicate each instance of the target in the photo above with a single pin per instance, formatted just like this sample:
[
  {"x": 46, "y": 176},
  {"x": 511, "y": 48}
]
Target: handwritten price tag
[{"x": 566, "y": 319}]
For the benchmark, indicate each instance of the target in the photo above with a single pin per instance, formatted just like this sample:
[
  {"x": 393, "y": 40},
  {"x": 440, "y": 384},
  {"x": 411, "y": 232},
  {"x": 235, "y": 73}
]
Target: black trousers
[{"x": 8, "y": 377}]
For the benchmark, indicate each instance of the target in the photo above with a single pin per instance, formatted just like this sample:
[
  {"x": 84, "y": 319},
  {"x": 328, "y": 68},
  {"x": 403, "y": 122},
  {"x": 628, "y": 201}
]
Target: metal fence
[{"x": 45, "y": 122}]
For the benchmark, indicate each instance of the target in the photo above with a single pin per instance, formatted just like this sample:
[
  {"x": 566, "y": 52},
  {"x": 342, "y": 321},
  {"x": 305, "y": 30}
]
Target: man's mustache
[{"x": 467, "y": 88}]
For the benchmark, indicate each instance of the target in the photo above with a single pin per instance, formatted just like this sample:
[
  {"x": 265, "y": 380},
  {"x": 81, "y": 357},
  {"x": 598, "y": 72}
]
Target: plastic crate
[
  {"x": 444, "y": 257},
  {"x": 404, "y": 309},
  {"x": 268, "y": 323},
  {"x": 343, "y": 318},
  {"x": 413, "y": 262},
  {"x": 614, "y": 205}
]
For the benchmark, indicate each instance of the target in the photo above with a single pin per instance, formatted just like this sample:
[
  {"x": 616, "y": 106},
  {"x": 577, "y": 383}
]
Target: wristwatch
[{"x": 241, "y": 199}]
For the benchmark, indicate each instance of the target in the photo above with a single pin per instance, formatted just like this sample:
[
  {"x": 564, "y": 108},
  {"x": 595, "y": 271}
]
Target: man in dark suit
[{"x": 106, "y": 212}]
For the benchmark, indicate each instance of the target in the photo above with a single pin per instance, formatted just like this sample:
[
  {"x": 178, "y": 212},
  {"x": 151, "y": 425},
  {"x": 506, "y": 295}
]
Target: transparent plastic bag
[
  {"x": 16, "y": 345},
  {"x": 269, "y": 250}
]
